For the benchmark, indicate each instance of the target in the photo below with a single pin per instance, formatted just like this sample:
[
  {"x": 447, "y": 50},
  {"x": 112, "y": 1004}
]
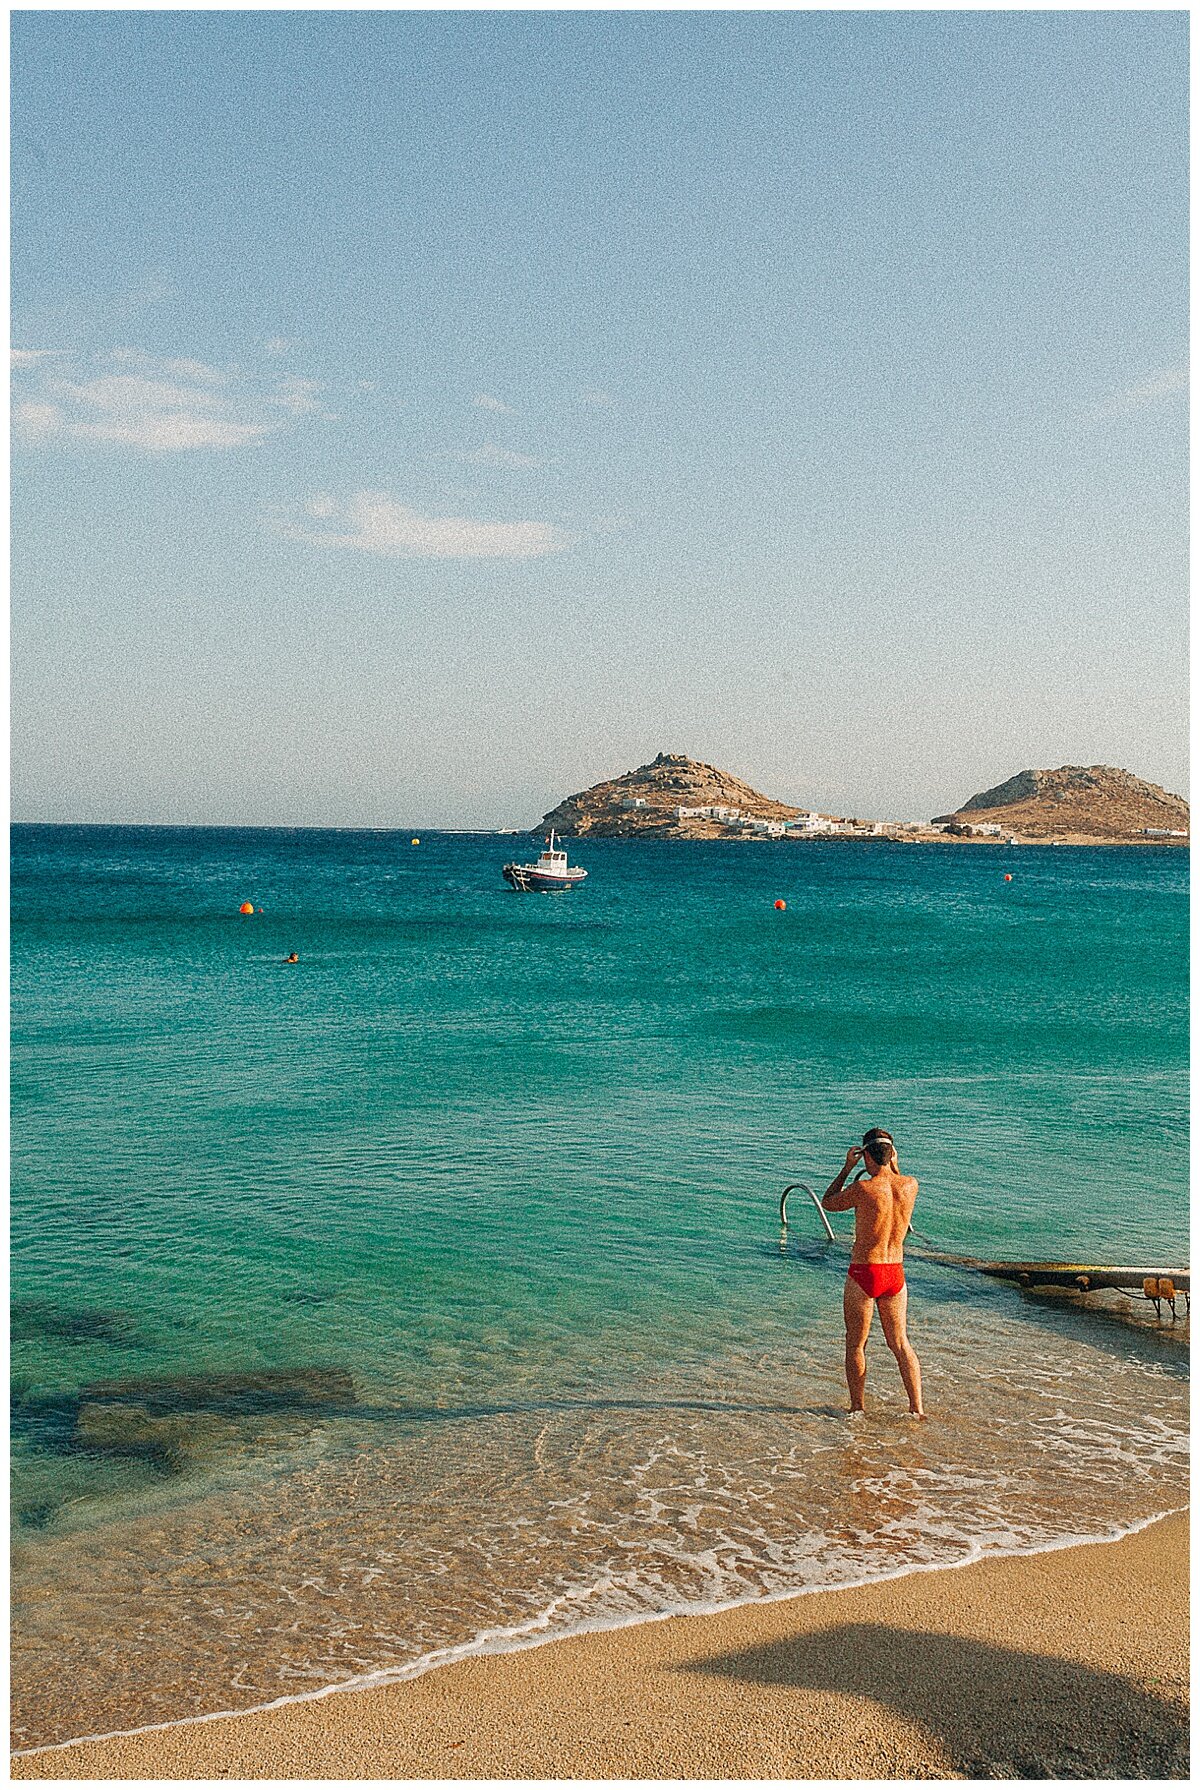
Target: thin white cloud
[
  {"x": 37, "y": 421},
  {"x": 491, "y": 455},
  {"x": 376, "y": 522},
  {"x": 1156, "y": 388},
  {"x": 156, "y": 414},
  {"x": 182, "y": 368},
  {"x": 484, "y": 401},
  {"x": 160, "y": 404},
  {"x": 279, "y": 345},
  {"x": 602, "y": 400},
  {"x": 153, "y": 414},
  {"x": 32, "y": 357}
]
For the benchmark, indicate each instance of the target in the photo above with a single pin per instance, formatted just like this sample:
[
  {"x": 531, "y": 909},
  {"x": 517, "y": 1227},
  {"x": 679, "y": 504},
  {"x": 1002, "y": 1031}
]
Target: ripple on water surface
[
  {"x": 392, "y": 1534},
  {"x": 426, "y": 1290}
]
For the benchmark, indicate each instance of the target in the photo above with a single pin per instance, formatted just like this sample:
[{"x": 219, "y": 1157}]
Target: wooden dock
[
  {"x": 1164, "y": 1286},
  {"x": 1083, "y": 1277}
]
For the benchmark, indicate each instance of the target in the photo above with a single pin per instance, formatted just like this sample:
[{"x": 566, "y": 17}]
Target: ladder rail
[
  {"x": 830, "y": 1233},
  {"x": 803, "y": 1187}
]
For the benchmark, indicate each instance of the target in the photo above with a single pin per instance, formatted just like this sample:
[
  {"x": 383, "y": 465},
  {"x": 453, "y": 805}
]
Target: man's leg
[
  {"x": 893, "y": 1315},
  {"x": 858, "y": 1308}
]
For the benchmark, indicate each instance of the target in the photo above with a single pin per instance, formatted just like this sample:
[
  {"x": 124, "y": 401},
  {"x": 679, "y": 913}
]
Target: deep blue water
[{"x": 487, "y": 1155}]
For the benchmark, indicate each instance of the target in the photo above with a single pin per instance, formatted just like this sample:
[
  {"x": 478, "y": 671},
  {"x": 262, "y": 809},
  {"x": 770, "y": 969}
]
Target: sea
[{"x": 429, "y": 1295}]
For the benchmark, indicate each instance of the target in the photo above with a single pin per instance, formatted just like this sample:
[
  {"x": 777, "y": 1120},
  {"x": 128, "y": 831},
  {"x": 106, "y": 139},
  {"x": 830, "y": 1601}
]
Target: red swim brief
[{"x": 878, "y": 1279}]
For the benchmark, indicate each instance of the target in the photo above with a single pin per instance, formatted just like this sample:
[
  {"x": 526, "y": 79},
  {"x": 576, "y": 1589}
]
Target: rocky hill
[
  {"x": 1075, "y": 802},
  {"x": 1083, "y": 804},
  {"x": 646, "y": 801}
]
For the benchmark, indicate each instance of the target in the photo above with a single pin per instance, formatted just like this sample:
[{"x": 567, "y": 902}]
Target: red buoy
[
  {"x": 1007, "y": 877},
  {"x": 780, "y": 905}
]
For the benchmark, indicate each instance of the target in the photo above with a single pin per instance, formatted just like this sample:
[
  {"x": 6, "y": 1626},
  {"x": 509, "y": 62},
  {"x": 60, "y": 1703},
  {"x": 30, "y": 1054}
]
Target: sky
[{"x": 418, "y": 417}]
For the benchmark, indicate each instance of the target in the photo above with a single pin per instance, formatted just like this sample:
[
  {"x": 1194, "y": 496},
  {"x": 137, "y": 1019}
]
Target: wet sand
[{"x": 1068, "y": 1664}]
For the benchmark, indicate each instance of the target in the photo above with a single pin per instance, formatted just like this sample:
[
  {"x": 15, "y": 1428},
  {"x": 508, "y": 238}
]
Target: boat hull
[
  {"x": 530, "y": 881},
  {"x": 550, "y": 874}
]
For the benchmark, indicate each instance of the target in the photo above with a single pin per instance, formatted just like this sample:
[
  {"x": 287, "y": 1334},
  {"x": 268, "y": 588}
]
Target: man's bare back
[
  {"x": 883, "y": 1209},
  {"x": 882, "y": 1203}
]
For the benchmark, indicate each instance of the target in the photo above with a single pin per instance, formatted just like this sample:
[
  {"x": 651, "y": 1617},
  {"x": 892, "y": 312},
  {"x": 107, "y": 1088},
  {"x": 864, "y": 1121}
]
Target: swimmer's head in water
[{"x": 879, "y": 1145}]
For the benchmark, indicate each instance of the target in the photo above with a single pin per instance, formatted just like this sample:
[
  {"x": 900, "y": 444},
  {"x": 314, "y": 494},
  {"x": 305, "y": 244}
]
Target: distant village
[
  {"x": 681, "y": 798},
  {"x": 811, "y": 825}
]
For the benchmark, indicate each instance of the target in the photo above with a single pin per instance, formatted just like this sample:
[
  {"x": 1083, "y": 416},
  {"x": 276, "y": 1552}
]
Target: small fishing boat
[{"x": 551, "y": 871}]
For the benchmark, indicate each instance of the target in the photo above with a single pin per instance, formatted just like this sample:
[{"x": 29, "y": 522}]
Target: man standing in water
[{"x": 883, "y": 1201}]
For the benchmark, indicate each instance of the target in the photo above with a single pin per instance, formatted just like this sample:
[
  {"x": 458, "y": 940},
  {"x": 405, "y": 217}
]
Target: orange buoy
[
  {"x": 1008, "y": 876},
  {"x": 780, "y": 905},
  {"x": 416, "y": 842},
  {"x": 247, "y": 907}
]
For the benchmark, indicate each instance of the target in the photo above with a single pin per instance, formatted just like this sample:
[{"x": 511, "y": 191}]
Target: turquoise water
[{"x": 431, "y": 1288}]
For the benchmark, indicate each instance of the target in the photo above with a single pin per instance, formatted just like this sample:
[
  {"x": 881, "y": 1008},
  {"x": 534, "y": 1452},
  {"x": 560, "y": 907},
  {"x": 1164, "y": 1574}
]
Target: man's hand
[{"x": 836, "y": 1199}]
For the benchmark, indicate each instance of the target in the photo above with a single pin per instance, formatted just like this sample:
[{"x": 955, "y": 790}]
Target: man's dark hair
[{"x": 878, "y": 1144}]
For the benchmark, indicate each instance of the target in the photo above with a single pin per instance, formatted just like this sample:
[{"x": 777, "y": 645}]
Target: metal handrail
[
  {"x": 830, "y": 1233},
  {"x": 805, "y": 1188}
]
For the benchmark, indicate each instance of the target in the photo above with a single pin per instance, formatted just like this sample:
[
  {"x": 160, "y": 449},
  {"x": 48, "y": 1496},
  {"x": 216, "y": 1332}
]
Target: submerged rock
[
  {"x": 176, "y": 1421},
  {"x": 33, "y": 1320},
  {"x": 229, "y": 1394},
  {"x": 169, "y": 1443}
]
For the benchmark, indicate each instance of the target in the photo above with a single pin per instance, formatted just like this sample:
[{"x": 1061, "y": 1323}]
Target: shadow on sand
[{"x": 998, "y": 1713}]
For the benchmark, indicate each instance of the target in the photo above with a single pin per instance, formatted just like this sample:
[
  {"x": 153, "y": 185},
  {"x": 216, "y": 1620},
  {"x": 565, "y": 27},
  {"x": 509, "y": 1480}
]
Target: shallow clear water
[{"x": 432, "y": 1287}]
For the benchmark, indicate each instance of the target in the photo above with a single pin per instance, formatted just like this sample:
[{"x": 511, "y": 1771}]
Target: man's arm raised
[{"x": 838, "y": 1197}]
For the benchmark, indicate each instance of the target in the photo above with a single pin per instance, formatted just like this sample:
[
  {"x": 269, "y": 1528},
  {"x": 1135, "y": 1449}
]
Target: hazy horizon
[
  {"x": 404, "y": 823},
  {"x": 421, "y": 417}
]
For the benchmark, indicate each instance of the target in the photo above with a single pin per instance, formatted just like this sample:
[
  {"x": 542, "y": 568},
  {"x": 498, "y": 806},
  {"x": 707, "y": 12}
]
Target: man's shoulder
[
  {"x": 910, "y": 1183},
  {"x": 878, "y": 1190}
]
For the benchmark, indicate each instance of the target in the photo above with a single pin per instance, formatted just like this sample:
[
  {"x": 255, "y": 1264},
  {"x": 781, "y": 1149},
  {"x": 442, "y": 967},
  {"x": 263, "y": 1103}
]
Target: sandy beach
[{"x": 1066, "y": 1664}]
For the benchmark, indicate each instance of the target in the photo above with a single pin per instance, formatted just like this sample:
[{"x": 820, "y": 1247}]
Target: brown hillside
[
  {"x": 1081, "y": 801},
  {"x": 672, "y": 781}
]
